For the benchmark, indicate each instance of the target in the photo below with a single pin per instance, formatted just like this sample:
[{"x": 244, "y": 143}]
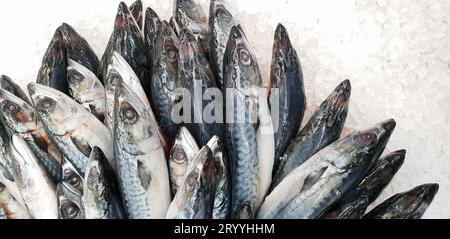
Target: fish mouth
[
  {"x": 386, "y": 128},
  {"x": 427, "y": 191}
]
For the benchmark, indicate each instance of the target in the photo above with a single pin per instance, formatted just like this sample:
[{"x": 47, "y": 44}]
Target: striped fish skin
[
  {"x": 220, "y": 23},
  {"x": 128, "y": 41},
  {"x": 136, "y": 10},
  {"x": 78, "y": 49},
  {"x": 323, "y": 128},
  {"x": 195, "y": 198},
  {"x": 36, "y": 189},
  {"x": 11, "y": 207},
  {"x": 190, "y": 15},
  {"x": 165, "y": 83},
  {"x": 251, "y": 151},
  {"x": 407, "y": 205},
  {"x": 222, "y": 197},
  {"x": 141, "y": 164},
  {"x": 86, "y": 89},
  {"x": 71, "y": 176},
  {"x": 53, "y": 69},
  {"x": 7, "y": 84},
  {"x": 195, "y": 73},
  {"x": 19, "y": 118},
  {"x": 70, "y": 126},
  {"x": 70, "y": 205},
  {"x": 286, "y": 77},
  {"x": 312, "y": 188},
  {"x": 182, "y": 154},
  {"x": 355, "y": 203},
  {"x": 101, "y": 196}
]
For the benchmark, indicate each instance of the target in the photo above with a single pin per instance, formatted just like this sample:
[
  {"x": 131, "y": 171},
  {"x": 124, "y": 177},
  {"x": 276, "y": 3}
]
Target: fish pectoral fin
[
  {"x": 81, "y": 145},
  {"x": 143, "y": 175},
  {"x": 246, "y": 212},
  {"x": 312, "y": 178}
]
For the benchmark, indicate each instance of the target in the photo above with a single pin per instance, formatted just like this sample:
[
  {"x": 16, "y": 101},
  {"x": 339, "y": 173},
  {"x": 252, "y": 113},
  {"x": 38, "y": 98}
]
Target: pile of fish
[{"x": 97, "y": 138}]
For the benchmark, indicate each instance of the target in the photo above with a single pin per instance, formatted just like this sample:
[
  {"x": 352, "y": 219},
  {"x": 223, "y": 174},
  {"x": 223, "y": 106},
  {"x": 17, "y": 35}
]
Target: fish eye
[
  {"x": 245, "y": 57},
  {"x": 179, "y": 155},
  {"x": 129, "y": 115},
  {"x": 69, "y": 209},
  {"x": 2, "y": 187},
  {"x": 47, "y": 104},
  {"x": 74, "y": 180},
  {"x": 114, "y": 79},
  {"x": 11, "y": 107},
  {"x": 366, "y": 138},
  {"x": 74, "y": 76},
  {"x": 171, "y": 54}
]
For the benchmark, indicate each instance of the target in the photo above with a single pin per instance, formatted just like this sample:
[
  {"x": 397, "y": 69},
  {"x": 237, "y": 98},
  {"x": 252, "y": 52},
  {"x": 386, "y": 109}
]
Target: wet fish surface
[
  {"x": 182, "y": 154},
  {"x": 7, "y": 84},
  {"x": 196, "y": 77},
  {"x": 195, "y": 197},
  {"x": 101, "y": 196},
  {"x": 355, "y": 203},
  {"x": 287, "y": 92},
  {"x": 141, "y": 164},
  {"x": 19, "y": 118},
  {"x": 323, "y": 128},
  {"x": 70, "y": 205},
  {"x": 36, "y": 189},
  {"x": 222, "y": 194},
  {"x": 250, "y": 139},
  {"x": 128, "y": 41},
  {"x": 86, "y": 89},
  {"x": 136, "y": 10},
  {"x": 151, "y": 29},
  {"x": 11, "y": 207},
  {"x": 190, "y": 15},
  {"x": 78, "y": 49},
  {"x": 53, "y": 69},
  {"x": 312, "y": 188},
  {"x": 70, "y": 126},
  {"x": 220, "y": 23},
  {"x": 407, "y": 205},
  {"x": 165, "y": 92}
]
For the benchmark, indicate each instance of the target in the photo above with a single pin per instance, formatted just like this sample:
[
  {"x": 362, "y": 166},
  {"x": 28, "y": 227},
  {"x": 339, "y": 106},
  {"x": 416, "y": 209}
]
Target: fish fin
[
  {"x": 82, "y": 145},
  {"x": 143, "y": 175},
  {"x": 246, "y": 212},
  {"x": 312, "y": 179}
]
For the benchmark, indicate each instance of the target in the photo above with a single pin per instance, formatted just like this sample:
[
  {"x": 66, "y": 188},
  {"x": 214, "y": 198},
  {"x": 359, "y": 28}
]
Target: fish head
[
  {"x": 152, "y": 25},
  {"x": 81, "y": 80},
  {"x": 55, "y": 109},
  {"x": 285, "y": 62},
  {"x": 333, "y": 111},
  {"x": 124, "y": 18},
  {"x": 133, "y": 126},
  {"x": 240, "y": 63},
  {"x": 364, "y": 146},
  {"x": 69, "y": 202},
  {"x": 221, "y": 16},
  {"x": 71, "y": 176},
  {"x": 120, "y": 66},
  {"x": 94, "y": 182},
  {"x": 383, "y": 171},
  {"x": 191, "y": 15},
  {"x": 17, "y": 114},
  {"x": 69, "y": 34},
  {"x": 22, "y": 159},
  {"x": 420, "y": 198},
  {"x": 185, "y": 148}
]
